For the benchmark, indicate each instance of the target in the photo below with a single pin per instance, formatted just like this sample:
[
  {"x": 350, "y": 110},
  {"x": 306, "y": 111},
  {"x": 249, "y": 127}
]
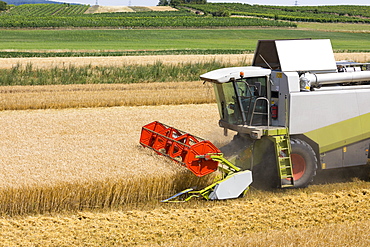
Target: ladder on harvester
[{"x": 281, "y": 141}]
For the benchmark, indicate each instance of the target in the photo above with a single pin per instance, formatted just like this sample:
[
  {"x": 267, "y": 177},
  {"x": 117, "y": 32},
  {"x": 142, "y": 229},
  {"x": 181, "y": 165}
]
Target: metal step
[{"x": 283, "y": 160}]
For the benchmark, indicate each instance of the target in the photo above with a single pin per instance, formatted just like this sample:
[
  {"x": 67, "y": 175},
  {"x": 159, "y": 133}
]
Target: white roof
[{"x": 226, "y": 74}]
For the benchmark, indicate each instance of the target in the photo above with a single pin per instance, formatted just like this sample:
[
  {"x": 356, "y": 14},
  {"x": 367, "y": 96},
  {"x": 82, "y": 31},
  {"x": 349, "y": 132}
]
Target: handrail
[{"x": 261, "y": 113}]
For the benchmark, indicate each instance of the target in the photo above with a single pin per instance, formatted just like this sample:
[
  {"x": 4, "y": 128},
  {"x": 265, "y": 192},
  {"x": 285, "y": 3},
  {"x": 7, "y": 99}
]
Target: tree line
[{"x": 3, "y": 6}]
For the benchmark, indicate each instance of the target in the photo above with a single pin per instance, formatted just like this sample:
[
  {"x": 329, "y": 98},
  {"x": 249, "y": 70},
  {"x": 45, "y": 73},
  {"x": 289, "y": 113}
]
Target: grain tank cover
[{"x": 295, "y": 55}]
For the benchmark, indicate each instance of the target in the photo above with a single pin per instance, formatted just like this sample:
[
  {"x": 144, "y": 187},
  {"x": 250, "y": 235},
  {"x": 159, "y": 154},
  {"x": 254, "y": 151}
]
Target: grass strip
[{"x": 158, "y": 72}]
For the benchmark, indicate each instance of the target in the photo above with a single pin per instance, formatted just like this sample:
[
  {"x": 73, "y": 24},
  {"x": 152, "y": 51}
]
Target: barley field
[
  {"x": 324, "y": 215},
  {"x": 77, "y": 176},
  {"x": 55, "y": 160}
]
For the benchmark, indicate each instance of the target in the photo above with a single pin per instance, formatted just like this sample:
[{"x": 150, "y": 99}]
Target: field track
[{"x": 7, "y": 63}]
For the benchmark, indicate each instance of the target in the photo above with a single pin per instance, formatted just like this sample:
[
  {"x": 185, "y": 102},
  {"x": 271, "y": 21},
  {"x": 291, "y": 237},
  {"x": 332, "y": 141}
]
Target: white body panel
[
  {"x": 232, "y": 187},
  {"x": 305, "y": 55},
  {"x": 313, "y": 110}
]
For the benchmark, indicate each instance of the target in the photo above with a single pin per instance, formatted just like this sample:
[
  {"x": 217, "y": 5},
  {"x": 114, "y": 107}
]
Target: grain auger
[{"x": 201, "y": 157}]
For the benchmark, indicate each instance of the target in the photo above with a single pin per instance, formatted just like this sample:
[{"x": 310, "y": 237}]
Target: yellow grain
[
  {"x": 304, "y": 217},
  {"x": 102, "y": 95},
  {"x": 52, "y": 62},
  {"x": 53, "y": 160}
]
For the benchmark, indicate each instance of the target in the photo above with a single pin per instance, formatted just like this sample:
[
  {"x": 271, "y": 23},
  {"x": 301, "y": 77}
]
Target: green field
[
  {"x": 169, "y": 39},
  {"x": 64, "y": 15},
  {"x": 324, "y": 14},
  {"x": 337, "y": 27},
  {"x": 176, "y": 32}
]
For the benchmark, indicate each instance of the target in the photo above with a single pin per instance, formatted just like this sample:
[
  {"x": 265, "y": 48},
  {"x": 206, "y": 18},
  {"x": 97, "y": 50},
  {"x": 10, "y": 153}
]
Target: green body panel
[
  {"x": 276, "y": 131},
  {"x": 341, "y": 134}
]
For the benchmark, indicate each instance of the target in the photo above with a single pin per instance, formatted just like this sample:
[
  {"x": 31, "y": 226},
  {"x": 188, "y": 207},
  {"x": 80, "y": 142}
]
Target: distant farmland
[{"x": 78, "y": 83}]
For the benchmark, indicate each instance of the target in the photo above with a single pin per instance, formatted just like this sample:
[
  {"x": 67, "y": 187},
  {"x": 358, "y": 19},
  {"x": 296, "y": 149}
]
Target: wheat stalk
[{"x": 56, "y": 160}]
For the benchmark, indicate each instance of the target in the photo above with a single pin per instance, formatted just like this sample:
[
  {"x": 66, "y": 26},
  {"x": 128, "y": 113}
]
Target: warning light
[{"x": 241, "y": 74}]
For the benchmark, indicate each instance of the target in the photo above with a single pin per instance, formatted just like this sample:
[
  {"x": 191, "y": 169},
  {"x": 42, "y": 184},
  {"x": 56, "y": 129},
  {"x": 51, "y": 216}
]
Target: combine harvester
[{"x": 294, "y": 111}]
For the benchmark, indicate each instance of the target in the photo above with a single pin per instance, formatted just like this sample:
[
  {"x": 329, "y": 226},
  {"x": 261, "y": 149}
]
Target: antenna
[{"x": 264, "y": 60}]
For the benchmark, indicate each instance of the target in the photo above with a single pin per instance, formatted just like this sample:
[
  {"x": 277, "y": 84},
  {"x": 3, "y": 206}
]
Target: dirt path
[{"x": 50, "y": 62}]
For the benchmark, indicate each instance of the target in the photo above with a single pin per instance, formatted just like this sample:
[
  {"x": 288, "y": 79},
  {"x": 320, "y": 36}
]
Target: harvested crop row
[
  {"x": 53, "y": 160},
  {"x": 104, "y": 95}
]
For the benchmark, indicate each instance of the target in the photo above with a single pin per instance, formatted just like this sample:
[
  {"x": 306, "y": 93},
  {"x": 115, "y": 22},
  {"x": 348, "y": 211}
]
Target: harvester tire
[{"x": 304, "y": 163}]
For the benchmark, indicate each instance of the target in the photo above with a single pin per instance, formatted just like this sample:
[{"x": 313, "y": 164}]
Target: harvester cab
[{"x": 294, "y": 111}]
